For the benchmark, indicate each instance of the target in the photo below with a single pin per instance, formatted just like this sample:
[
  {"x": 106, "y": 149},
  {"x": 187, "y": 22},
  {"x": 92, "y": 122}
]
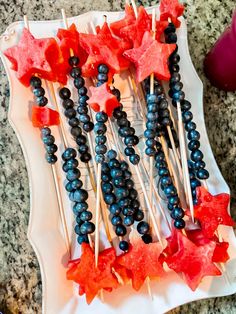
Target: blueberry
[
  {"x": 85, "y": 157},
  {"x": 124, "y": 166},
  {"x": 166, "y": 180},
  {"x": 70, "y": 113},
  {"x": 163, "y": 172},
  {"x": 149, "y": 151},
  {"x": 116, "y": 92},
  {"x": 129, "y": 184},
  {"x": 129, "y": 151},
  {"x": 133, "y": 194},
  {"x": 79, "y": 82},
  {"x": 128, "y": 220},
  {"x": 170, "y": 190},
  {"x": 81, "y": 140},
  {"x": 116, "y": 173},
  {"x": 117, "y": 113},
  {"x": 103, "y": 68},
  {"x": 124, "y": 245},
  {"x": 177, "y": 213},
  {"x": 79, "y": 207},
  {"x": 199, "y": 165},
  {"x": 171, "y": 38},
  {"x": 185, "y": 105},
  {"x": 134, "y": 159},
  {"x": 152, "y": 98},
  {"x": 114, "y": 163},
  {"x": 100, "y": 139},
  {"x": 193, "y": 135},
  {"x": 127, "y": 174},
  {"x": 139, "y": 215},
  {"x": 51, "y": 158},
  {"x": 147, "y": 238},
  {"x": 48, "y": 140},
  {"x": 73, "y": 174},
  {"x": 73, "y": 61},
  {"x": 35, "y": 81},
  {"x": 83, "y": 99},
  {"x": 76, "y": 184},
  {"x": 150, "y": 143},
  {"x": 83, "y": 239},
  {"x": 109, "y": 198},
  {"x": 131, "y": 140},
  {"x": 73, "y": 122},
  {"x": 120, "y": 231},
  {"x": 82, "y": 91},
  {"x": 99, "y": 158},
  {"x": 121, "y": 193},
  {"x": 143, "y": 227},
  {"x": 116, "y": 220},
  {"x": 115, "y": 209},
  {"x": 179, "y": 223},
  {"x": 87, "y": 227},
  {"x": 45, "y": 131},
  {"x": 173, "y": 200},
  {"x": 196, "y": 155},
  {"x": 101, "y": 117},
  {"x": 124, "y": 202},
  {"x": 119, "y": 182},
  {"x": 39, "y": 91},
  {"x": 77, "y": 230},
  {"x": 100, "y": 149},
  {"x": 80, "y": 195},
  {"x": 76, "y": 131},
  {"x": 193, "y": 145},
  {"x": 152, "y": 107},
  {"x": 106, "y": 177},
  {"x": 128, "y": 211},
  {"x": 111, "y": 154},
  {"x": 64, "y": 93},
  {"x": 86, "y": 215},
  {"x": 107, "y": 187},
  {"x": 51, "y": 149},
  {"x": 202, "y": 174},
  {"x": 84, "y": 118},
  {"x": 195, "y": 183},
  {"x": 68, "y": 104},
  {"x": 102, "y": 77},
  {"x": 75, "y": 73},
  {"x": 151, "y": 116},
  {"x": 100, "y": 128},
  {"x": 150, "y": 134}
]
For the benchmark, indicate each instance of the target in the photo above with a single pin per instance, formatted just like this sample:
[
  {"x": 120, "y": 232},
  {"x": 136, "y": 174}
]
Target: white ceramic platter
[{"x": 45, "y": 231}]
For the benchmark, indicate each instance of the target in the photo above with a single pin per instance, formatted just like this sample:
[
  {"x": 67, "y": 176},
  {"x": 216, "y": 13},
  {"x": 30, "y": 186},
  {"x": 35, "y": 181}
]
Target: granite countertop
[{"x": 20, "y": 283}]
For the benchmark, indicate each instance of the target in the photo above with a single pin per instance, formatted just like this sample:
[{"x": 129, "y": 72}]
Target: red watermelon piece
[
  {"x": 141, "y": 261},
  {"x": 192, "y": 261},
  {"x": 212, "y": 211},
  {"x": 151, "y": 57},
  {"x": 220, "y": 254},
  {"x": 103, "y": 48},
  {"x": 44, "y": 116},
  {"x": 102, "y": 99},
  {"x": 171, "y": 9},
  {"x": 69, "y": 40},
  {"x": 33, "y": 56},
  {"x": 129, "y": 18},
  {"x": 91, "y": 278}
]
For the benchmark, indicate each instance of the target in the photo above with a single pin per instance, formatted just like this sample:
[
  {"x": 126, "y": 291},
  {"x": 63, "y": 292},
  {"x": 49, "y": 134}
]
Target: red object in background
[
  {"x": 44, "y": 116},
  {"x": 220, "y": 62}
]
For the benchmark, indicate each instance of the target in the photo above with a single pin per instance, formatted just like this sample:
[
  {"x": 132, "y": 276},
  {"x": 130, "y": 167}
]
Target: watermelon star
[
  {"x": 141, "y": 262},
  {"x": 171, "y": 9},
  {"x": 151, "y": 57},
  {"x": 102, "y": 99},
  {"x": 129, "y": 18},
  {"x": 212, "y": 211},
  {"x": 103, "y": 48},
  {"x": 91, "y": 278},
  {"x": 69, "y": 39},
  {"x": 32, "y": 56},
  {"x": 192, "y": 261}
]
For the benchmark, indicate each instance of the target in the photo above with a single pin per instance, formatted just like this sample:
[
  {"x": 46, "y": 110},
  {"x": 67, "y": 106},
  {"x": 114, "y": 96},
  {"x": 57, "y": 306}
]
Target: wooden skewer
[
  {"x": 55, "y": 179},
  {"x": 97, "y": 212}
]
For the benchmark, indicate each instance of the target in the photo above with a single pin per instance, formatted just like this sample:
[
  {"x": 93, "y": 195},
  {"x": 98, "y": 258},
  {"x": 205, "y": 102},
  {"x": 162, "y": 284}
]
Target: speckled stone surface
[{"x": 20, "y": 283}]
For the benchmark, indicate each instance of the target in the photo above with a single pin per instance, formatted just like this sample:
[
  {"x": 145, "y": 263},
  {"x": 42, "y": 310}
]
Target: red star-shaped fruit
[
  {"x": 69, "y": 40},
  {"x": 220, "y": 254},
  {"x": 33, "y": 56},
  {"x": 151, "y": 57},
  {"x": 103, "y": 48},
  {"x": 212, "y": 211},
  {"x": 44, "y": 116},
  {"x": 160, "y": 27},
  {"x": 171, "y": 9},
  {"x": 91, "y": 278},
  {"x": 135, "y": 31},
  {"x": 192, "y": 261},
  {"x": 102, "y": 99},
  {"x": 129, "y": 18},
  {"x": 141, "y": 261}
]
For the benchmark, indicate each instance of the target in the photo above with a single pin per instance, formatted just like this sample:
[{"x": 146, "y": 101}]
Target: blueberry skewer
[{"x": 178, "y": 99}]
